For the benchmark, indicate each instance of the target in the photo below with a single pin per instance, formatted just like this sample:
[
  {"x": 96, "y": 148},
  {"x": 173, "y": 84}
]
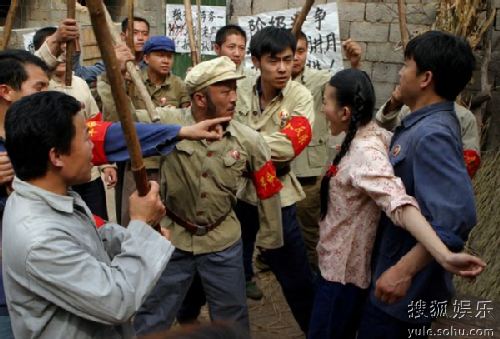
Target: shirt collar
[
  {"x": 145, "y": 78},
  {"x": 419, "y": 114},
  {"x": 61, "y": 203},
  {"x": 258, "y": 88}
]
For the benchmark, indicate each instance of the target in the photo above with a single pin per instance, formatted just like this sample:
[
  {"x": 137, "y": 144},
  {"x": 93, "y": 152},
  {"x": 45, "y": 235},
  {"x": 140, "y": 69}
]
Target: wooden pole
[
  {"x": 403, "y": 27},
  {"x": 299, "y": 21},
  {"x": 130, "y": 39},
  {"x": 130, "y": 25},
  {"x": 70, "y": 45},
  {"x": 9, "y": 21},
  {"x": 105, "y": 42},
  {"x": 198, "y": 28},
  {"x": 189, "y": 25},
  {"x": 132, "y": 70}
]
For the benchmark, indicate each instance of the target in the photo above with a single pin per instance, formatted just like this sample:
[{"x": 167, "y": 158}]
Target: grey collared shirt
[{"x": 64, "y": 278}]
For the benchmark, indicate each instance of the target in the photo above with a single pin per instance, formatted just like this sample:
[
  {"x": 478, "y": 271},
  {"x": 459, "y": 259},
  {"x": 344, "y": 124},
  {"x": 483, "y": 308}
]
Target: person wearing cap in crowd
[
  {"x": 281, "y": 110},
  {"x": 199, "y": 182},
  {"x": 310, "y": 165},
  {"x": 165, "y": 89}
]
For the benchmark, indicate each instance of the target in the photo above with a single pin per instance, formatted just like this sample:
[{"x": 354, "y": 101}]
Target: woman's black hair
[{"x": 355, "y": 90}]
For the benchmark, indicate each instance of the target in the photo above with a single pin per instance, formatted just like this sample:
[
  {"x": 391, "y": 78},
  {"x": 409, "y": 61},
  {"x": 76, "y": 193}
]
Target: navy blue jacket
[{"x": 426, "y": 153}]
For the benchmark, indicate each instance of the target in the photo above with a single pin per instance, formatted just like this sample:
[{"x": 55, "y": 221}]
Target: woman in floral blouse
[{"x": 359, "y": 184}]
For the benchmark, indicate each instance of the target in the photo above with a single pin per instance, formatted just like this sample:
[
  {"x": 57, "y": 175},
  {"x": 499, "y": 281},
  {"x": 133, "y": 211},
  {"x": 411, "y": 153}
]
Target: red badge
[
  {"x": 163, "y": 101},
  {"x": 234, "y": 154}
]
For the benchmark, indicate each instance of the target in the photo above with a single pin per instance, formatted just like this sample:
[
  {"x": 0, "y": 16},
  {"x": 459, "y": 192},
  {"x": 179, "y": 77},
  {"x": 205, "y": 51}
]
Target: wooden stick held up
[
  {"x": 130, "y": 25},
  {"x": 9, "y": 21},
  {"x": 132, "y": 70},
  {"x": 299, "y": 21},
  {"x": 105, "y": 42},
  {"x": 70, "y": 45},
  {"x": 403, "y": 27},
  {"x": 198, "y": 29},
  {"x": 189, "y": 25},
  {"x": 130, "y": 39}
]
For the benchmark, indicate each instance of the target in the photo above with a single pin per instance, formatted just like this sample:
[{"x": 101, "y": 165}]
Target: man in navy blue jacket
[{"x": 426, "y": 153}]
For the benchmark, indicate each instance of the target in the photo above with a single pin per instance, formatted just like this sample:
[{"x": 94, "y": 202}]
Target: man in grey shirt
[{"x": 65, "y": 278}]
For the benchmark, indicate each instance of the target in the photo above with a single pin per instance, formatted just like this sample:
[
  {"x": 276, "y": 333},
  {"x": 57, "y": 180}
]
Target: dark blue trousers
[
  {"x": 289, "y": 263},
  {"x": 337, "y": 310},
  {"x": 376, "y": 324}
]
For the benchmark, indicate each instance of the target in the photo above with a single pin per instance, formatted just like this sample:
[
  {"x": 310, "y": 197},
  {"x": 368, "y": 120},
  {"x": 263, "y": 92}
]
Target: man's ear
[
  {"x": 217, "y": 49},
  {"x": 123, "y": 36},
  {"x": 256, "y": 62},
  {"x": 55, "y": 158},
  {"x": 426, "y": 79},
  {"x": 200, "y": 99},
  {"x": 7, "y": 93},
  {"x": 146, "y": 58}
]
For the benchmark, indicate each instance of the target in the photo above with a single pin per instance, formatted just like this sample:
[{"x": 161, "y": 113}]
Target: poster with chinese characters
[
  {"x": 321, "y": 28},
  {"x": 212, "y": 18}
]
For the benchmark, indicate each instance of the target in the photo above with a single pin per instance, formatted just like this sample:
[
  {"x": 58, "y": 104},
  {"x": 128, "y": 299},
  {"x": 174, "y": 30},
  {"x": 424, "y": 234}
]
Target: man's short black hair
[
  {"x": 447, "y": 56},
  {"x": 12, "y": 64},
  {"x": 41, "y": 35},
  {"x": 34, "y": 125},
  {"x": 272, "y": 40},
  {"x": 225, "y": 31},
  {"x": 302, "y": 36},
  {"x": 136, "y": 18}
]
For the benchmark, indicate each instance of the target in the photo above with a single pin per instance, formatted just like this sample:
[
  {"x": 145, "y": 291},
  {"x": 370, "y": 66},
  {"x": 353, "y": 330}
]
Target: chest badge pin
[
  {"x": 396, "y": 150},
  {"x": 284, "y": 117},
  {"x": 234, "y": 154}
]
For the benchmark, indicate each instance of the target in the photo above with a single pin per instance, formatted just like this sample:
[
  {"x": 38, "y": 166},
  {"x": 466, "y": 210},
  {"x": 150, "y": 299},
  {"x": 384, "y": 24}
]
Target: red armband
[
  {"x": 97, "y": 117},
  {"x": 97, "y": 133},
  {"x": 298, "y": 130},
  {"x": 266, "y": 182},
  {"x": 472, "y": 161}
]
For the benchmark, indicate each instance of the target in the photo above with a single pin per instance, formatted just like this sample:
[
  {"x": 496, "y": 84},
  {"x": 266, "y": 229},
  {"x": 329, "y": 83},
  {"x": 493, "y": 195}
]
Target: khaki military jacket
[
  {"x": 199, "y": 182},
  {"x": 313, "y": 160},
  {"x": 293, "y": 105},
  {"x": 172, "y": 92}
]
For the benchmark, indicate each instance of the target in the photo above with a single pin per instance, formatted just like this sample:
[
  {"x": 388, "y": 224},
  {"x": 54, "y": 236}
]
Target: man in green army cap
[{"x": 199, "y": 182}]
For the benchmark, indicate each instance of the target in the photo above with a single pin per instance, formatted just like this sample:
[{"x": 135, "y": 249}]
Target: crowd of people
[{"x": 356, "y": 214}]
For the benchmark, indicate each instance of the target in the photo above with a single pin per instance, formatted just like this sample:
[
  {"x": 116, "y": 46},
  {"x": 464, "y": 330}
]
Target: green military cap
[{"x": 209, "y": 72}]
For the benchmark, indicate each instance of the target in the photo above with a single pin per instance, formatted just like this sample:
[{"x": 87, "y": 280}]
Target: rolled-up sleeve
[
  {"x": 444, "y": 191},
  {"x": 61, "y": 270}
]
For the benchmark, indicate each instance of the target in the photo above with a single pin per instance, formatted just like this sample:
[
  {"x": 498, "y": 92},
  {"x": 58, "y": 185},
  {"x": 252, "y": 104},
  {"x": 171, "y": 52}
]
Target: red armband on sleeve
[
  {"x": 97, "y": 117},
  {"x": 472, "y": 161},
  {"x": 266, "y": 182},
  {"x": 298, "y": 130},
  {"x": 97, "y": 133}
]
